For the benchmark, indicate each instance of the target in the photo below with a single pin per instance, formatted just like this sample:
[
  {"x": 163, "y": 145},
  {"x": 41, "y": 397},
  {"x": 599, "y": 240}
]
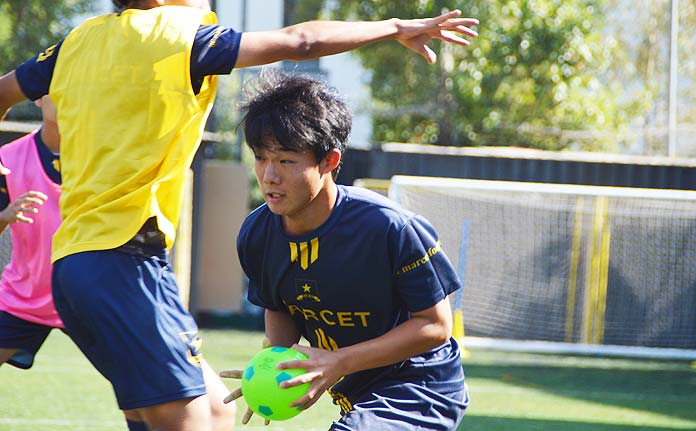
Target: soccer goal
[
  {"x": 566, "y": 268},
  {"x": 5, "y": 248}
]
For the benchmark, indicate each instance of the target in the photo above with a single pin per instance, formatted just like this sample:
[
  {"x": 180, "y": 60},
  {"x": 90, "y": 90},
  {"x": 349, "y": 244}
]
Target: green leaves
[
  {"x": 30, "y": 26},
  {"x": 539, "y": 68}
]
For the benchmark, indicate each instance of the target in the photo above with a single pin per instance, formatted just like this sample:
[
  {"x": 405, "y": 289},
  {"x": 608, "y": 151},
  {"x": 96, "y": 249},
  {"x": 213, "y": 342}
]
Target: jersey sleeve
[
  {"x": 250, "y": 250},
  {"x": 34, "y": 76},
  {"x": 424, "y": 274},
  {"x": 214, "y": 51}
]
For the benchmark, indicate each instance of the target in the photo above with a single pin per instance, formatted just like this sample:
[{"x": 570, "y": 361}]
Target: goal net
[{"x": 566, "y": 268}]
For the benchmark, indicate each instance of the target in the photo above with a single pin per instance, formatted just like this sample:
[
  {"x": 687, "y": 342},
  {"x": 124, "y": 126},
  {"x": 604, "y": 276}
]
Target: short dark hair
[
  {"x": 300, "y": 112},
  {"x": 122, "y": 4}
]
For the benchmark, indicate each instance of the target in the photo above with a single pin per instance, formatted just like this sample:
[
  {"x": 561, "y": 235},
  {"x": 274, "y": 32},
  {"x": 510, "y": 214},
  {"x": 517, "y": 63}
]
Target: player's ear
[{"x": 331, "y": 161}]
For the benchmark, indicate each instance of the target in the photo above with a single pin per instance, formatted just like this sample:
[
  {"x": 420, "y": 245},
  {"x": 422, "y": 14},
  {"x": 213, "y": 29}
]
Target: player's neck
[
  {"x": 51, "y": 138},
  {"x": 314, "y": 214}
]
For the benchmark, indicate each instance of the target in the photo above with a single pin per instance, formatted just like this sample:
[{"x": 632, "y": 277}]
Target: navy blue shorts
[
  {"x": 16, "y": 333},
  {"x": 405, "y": 406},
  {"x": 124, "y": 313},
  {"x": 425, "y": 392}
]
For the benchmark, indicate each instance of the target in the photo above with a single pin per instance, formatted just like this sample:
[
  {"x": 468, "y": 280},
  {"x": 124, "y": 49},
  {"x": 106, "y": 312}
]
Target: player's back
[{"x": 130, "y": 124}]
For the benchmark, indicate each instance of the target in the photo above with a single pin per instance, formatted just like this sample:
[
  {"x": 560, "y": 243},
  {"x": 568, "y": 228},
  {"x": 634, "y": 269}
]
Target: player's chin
[{"x": 276, "y": 207}]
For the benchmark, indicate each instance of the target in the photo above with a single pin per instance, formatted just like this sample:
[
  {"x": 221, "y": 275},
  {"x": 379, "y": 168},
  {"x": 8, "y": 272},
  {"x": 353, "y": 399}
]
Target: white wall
[{"x": 343, "y": 70}]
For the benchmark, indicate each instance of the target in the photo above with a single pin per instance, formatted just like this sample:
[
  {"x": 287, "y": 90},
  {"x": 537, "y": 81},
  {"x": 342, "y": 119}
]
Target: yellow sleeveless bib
[{"x": 130, "y": 124}]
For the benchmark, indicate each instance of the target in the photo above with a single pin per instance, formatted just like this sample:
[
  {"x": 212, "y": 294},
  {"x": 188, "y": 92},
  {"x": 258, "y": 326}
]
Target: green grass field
[{"x": 510, "y": 391}]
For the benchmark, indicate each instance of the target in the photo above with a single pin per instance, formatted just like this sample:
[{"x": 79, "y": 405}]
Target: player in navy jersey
[
  {"x": 365, "y": 281},
  {"x": 133, "y": 91}
]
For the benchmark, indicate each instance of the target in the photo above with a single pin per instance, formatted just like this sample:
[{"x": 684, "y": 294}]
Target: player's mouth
[{"x": 274, "y": 197}]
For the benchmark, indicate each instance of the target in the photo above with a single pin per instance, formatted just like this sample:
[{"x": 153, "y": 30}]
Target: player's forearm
[
  {"x": 280, "y": 328},
  {"x": 10, "y": 93},
  {"x": 415, "y": 336},
  {"x": 310, "y": 40},
  {"x": 321, "y": 38}
]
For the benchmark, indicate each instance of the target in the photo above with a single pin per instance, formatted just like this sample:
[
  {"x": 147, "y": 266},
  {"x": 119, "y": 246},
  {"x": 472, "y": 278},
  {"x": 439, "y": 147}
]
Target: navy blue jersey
[
  {"x": 214, "y": 52},
  {"x": 353, "y": 279},
  {"x": 49, "y": 161}
]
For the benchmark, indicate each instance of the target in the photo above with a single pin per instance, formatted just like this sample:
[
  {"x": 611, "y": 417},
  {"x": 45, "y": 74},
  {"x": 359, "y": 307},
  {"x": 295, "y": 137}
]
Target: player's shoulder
[
  {"x": 255, "y": 223},
  {"x": 375, "y": 208}
]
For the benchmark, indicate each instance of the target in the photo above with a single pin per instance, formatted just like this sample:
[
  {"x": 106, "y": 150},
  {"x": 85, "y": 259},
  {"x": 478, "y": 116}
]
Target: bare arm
[
  {"x": 425, "y": 330},
  {"x": 280, "y": 329},
  {"x": 315, "y": 39},
  {"x": 10, "y": 94}
]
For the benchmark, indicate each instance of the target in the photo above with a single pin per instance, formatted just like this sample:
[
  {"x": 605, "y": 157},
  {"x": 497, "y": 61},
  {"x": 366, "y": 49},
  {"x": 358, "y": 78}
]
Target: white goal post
[{"x": 566, "y": 268}]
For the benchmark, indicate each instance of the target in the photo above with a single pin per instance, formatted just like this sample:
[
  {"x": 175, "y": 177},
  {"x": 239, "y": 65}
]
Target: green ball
[{"x": 261, "y": 380}]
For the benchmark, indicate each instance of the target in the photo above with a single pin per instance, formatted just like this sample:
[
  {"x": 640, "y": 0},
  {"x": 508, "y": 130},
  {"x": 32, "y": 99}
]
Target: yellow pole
[
  {"x": 573, "y": 273},
  {"x": 603, "y": 273}
]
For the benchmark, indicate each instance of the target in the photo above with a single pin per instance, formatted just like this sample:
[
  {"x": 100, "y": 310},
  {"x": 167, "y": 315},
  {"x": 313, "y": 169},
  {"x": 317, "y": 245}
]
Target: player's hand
[
  {"x": 237, "y": 393},
  {"x": 27, "y": 203},
  {"x": 4, "y": 170},
  {"x": 415, "y": 34},
  {"x": 324, "y": 368}
]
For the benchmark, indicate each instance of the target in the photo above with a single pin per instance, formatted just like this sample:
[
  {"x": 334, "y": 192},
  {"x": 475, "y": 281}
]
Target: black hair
[
  {"x": 121, "y": 4},
  {"x": 299, "y": 112}
]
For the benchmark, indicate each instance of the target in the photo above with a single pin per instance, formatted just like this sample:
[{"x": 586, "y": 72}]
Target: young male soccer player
[
  {"x": 363, "y": 280},
  {"x": 29, "y": 201},
  {"x": 133, "y": 91}
]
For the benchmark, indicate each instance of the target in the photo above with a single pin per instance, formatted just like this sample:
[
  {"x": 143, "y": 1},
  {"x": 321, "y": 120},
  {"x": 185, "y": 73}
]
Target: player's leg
[
  {"x": 6, "y": 354},
  {"x": 135, "y": 421},
  {"x": 125, "y": 315},
  {"x": 223, "y": 415},
  {"x": 189, "y": 414},
  {"x": 20, "y": 340}
]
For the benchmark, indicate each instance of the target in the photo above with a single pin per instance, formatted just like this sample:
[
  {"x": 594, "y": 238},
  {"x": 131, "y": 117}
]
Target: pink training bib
[{"x": 25, "y": 287}]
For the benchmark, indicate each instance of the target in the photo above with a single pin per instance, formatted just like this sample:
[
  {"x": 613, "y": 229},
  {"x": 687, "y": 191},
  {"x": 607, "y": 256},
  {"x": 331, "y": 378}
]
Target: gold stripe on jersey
[
  {"x": 327, "y": 343},
  {"x": 324, "y": 341},
  {"x": 340, "y": 400},
  {"x": 306, "y": 252}
]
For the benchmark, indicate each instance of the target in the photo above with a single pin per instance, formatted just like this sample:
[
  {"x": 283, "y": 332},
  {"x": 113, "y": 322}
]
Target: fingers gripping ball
[{"x": 261, "y": 379}]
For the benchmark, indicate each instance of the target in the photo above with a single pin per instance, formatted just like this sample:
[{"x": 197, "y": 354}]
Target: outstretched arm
[
  {"x": 10, "y": 94},
  {"x": 315, "y": 39}
]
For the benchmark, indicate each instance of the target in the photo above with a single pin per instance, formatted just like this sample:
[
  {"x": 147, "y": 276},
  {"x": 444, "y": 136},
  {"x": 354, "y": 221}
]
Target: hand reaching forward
[
  {"x": 27, "y": 203},
  {"x": 237, "y": 393},
  {"x": 324, "y": 369},
  {"x": 415, "y": 34}
]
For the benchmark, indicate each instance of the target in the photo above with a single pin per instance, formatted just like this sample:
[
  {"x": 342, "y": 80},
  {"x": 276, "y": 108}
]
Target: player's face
[{"x": 295, "y": 187}]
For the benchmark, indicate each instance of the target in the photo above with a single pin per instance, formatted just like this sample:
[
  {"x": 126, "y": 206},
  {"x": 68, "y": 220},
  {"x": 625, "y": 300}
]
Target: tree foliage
[
  {"x": 540, "y": 74},
  {"x": 27, "y": 27}
]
